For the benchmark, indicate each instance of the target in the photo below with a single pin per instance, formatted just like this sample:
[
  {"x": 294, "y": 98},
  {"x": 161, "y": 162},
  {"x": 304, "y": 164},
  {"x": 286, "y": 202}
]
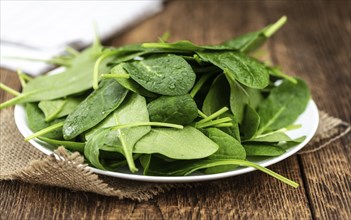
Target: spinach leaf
[
  {"x": 250, "y": 123},
  {"x": 97, "y": 106},
  {"x": 133, "y": 110},
  {"x": 255, "y": 97},
  {"x": 159, "y": 167},
  {"x": 101, "y": 140},
  {"x": 240, "y": 67},
  {"x": 217, "y": 97},
  {"x": 173, "y": 109},
  {"x": 272, "y": 137},
  {"x": 76, "y": 78},
  {"x": 130, "y": 84},
  {"x": 283, "y": 105},
  {"x": 229, "y": 148},
  {"x": 58, "y": 108},
  {"x": 262, "y": 149},
  {"x": 238, "y": 100},
  {"x": 122, "y": 140},
  {"x": 253, "y": 40},
  {"x": 165, "y": 74},
  {"x": 70, "y": 145},
  {"x": 36, "y": 121},
  {"x": 188, "y": 143},
  {"x": 232, "y": 130}
]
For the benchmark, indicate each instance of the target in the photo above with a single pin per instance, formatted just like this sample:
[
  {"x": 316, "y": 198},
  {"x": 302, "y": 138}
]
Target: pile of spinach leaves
[{"x": 167, "y": 108}]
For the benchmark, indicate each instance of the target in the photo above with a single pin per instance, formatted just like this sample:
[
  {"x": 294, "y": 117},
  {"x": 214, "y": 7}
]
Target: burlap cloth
[{"x": 21, "y": 161}]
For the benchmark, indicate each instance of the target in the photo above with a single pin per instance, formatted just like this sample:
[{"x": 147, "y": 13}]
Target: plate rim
[{"x": 25, "y": 131}]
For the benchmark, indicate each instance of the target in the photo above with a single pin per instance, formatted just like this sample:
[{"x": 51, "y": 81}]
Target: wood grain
[{"x": 315, "y": 45}]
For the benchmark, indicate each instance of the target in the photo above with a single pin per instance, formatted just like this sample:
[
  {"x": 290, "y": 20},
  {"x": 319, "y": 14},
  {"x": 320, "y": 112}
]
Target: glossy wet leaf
[
  {"x": 130, "y": 84},
  {"x": 97, "y": 106},
  {"x": 240, "y": 67},
  {"x": 165, "y": 74}
]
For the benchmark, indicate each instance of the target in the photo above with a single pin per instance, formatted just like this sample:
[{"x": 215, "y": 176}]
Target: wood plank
[{"x": 323, "y": 55}]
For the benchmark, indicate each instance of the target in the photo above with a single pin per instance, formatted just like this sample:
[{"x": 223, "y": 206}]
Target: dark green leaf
[
  {"x": 250, "y": 123},
  {"x": 240, "y": 67},
  {"x": 165, "y": 74},
  {"x": 283, "y": 105},
  {"x": 229, "y": 148},
  {"x": 36, "y": 121},
  {"x": 97, "y": 106},
  {"x": 173, "y": 109}
]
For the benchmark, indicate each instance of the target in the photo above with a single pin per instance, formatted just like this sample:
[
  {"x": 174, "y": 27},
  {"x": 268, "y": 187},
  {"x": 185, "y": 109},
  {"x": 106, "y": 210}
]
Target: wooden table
[{"x": 315, "y": 45}]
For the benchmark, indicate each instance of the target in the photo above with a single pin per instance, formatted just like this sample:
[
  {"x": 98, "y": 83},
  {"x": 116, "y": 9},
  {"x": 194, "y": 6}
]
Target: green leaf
[
  {"x": 36, "y": 121},
  {"x": 58, "y": 108},
  {"x": 173, "y": 109},
  {"x": 97, "y": 106},
  {"x": 253, "y": 40},
  {"x": 229, "y": 148},
  {"x": 76, "y": 78},
  {"x": 261, "y": 149},
  {"x": 283, "y": 105},
  {"x": 240, "y": 67},
  {"x": 130, "y": 84},
  {"x": 70, "y": 145},
  {"x": 234, "y": 129},
  {"x": 122, "y": 140},
  {"x": 164, "y": 74},
  {"x": 217, "y": 97},
  {"x": 272, "y": 137},
  {"x": 238, "y": 100},
  {"x": 250, "y": 123},
  {"x": 188, "y": 143}
]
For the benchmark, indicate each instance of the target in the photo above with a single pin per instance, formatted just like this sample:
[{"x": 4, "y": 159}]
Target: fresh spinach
[
  {"x": 229, "y": 148},
  {"x": 188, "y": 143},
  {"x": 240, "y": 67},
  {"x": 173, "y": 109},
  {"x": 283, "y": 105},
  {"x": 97, "y": 106},
  {"x": 164, "y": 74}
]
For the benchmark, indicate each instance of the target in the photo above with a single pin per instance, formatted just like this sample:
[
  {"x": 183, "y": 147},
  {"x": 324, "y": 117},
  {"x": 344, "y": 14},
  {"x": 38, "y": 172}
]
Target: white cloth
[{"x": 42, "y": 29}]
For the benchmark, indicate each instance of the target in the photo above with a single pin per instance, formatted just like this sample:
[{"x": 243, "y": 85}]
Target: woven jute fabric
[{"x": 21, "y": 161}]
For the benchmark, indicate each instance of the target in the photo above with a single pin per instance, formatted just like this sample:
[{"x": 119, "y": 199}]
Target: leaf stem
[
  {"x": 20, "y": 77},
  {"x": 9, "y": 90},
  {"x": 72, "y": 51},
  {"x": 202, "y": 115},
  {"x": 223, "y": 125},
  {"x": 214, "y": 115},
  {"x": 96, "y": 67},
  {"x": 137, "y": 124},
  {"x": 200, "y": 83},
  {"x": 115, "y": 76},
  {"x": 274, "y": 27},
  {"x": 212, "y": 123},
  {"x": 44, "y": 131}
]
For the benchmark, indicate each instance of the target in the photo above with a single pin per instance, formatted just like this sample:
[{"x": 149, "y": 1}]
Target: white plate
[{"x": 309, "y": 121}]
